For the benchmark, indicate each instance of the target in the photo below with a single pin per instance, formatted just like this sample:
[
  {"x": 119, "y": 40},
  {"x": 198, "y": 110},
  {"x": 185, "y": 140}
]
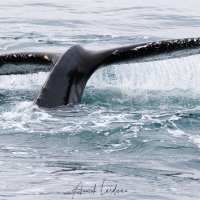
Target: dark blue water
[{"x": 136, "y": 133}]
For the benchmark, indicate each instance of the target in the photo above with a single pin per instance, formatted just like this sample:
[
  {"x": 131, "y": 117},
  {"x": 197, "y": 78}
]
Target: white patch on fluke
[
  {"x": 115, "y": 52},
  {"x": 46, "y": 57},
  {"x": 140, "y": 47}
]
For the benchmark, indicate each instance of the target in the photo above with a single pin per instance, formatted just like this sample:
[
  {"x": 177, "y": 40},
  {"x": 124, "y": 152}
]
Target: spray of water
[
  {"x": 28, "y": 81},
  {"x": 178, "y": 73}
]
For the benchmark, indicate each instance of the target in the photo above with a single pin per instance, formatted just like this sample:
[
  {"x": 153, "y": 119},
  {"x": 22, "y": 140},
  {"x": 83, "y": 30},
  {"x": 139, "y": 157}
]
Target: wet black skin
[{"x": 68, "y": 78}]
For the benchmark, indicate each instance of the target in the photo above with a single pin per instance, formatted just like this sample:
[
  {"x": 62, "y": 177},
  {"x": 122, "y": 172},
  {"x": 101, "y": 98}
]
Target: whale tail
[{"x": 68, "y": 78}]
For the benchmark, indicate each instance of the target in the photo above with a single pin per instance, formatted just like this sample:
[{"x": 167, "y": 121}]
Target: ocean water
[{"x": 136, "y": 134}]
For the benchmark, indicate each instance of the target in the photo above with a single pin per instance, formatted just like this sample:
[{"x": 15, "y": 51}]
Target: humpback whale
[{"x": 70, "y": 71}]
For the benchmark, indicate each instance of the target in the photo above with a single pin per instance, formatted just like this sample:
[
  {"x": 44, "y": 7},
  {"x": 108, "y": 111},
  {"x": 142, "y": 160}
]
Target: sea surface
[{"x": 136, "y": 134}]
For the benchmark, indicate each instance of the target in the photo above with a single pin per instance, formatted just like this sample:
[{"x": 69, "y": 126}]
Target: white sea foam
[
  {"x": 195, "y": 139},
  {"x": 21, "y": 117},
  {"x": 176, "y": 133}
]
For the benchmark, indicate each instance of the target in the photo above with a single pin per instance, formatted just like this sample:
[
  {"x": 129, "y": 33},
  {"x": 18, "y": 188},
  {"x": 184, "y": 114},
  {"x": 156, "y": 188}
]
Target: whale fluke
[
  {"x": 68, "y": 78},
  {"x": 71, "y": 70}
]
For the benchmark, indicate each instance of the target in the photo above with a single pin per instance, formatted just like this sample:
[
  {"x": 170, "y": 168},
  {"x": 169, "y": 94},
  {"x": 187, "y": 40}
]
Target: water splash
[
  {"x": 179, "y": 73},
  {"x": 28, "y": 81}
]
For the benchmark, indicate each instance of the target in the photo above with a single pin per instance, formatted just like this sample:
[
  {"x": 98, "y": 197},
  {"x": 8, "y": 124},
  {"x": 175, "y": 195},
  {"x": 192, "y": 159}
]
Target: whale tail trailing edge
[
  {"x": 15, "y": 63},
  {"x": 68, "y": 78}
]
